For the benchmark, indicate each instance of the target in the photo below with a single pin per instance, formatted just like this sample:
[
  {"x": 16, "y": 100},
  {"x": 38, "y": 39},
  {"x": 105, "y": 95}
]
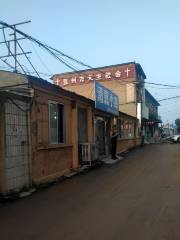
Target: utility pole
[{"x": 13, "y": 52}]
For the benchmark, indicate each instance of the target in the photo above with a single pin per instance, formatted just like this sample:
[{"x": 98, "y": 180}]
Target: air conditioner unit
[{"x": 88, "y": 153}]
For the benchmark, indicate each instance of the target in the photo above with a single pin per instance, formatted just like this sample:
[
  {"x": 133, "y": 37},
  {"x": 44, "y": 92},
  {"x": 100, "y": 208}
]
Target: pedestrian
[{"x": 114, "y": 143}]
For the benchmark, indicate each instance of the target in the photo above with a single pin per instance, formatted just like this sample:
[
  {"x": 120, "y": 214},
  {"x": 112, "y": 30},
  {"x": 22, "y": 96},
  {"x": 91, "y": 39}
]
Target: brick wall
[{"x": 126, "y": 144}]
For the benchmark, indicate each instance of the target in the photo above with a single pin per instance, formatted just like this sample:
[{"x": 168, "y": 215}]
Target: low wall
[
  {"x": 51, "y": 163},
  {"x": 126, "y": 144}
]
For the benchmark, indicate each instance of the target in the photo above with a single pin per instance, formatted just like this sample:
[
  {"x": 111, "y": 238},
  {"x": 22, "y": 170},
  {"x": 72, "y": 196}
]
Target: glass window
[{"x": 56, "y": 123}]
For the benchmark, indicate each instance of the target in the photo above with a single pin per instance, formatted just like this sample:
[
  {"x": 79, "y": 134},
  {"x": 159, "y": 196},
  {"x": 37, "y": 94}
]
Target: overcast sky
[{"x": 102, "y": 32}]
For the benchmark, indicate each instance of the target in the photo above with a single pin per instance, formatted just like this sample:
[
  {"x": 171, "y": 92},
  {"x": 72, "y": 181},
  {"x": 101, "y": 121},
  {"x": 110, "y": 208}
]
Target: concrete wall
[{"x": 10, "y": 79}]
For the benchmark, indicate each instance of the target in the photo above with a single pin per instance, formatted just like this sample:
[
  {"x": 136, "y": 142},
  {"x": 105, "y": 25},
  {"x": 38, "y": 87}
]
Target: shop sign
[{"x": 105, "y": 99}]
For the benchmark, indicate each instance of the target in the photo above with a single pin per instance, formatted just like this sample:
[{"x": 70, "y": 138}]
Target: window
[
  {"x": 131, "y": 129},
  {"x": 56, "y": 123},
  {"x": 125, "y": 128}
]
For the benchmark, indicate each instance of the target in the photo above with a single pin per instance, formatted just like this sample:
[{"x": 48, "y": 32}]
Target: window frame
[{"x": 63, "y": 126}]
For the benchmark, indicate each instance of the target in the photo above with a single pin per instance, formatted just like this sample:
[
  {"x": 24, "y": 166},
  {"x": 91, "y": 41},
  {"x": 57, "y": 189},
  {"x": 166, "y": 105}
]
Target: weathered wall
[
  {"x": 49, "y": 160},
  {"x": 53, "y": 160},
  {"x": 126, "y": 144},
  {"x": 9, "y": 79},
  {"x": 123, "y": 85},
  {"x": 127, "y": 95}
]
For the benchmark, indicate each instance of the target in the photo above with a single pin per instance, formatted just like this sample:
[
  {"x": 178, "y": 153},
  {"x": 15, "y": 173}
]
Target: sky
[{"x": 104, "y": 32}]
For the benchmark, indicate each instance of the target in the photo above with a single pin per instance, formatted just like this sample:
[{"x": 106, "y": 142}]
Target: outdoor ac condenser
[{"x": 88, "y": 153}]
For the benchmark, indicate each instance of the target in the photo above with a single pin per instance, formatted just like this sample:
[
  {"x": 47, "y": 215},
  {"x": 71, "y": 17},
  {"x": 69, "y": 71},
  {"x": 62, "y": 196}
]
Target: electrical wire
[
  {"x": 165, "y": 99},
  {"x": 10, "y": 51},
  {"x": 164, "y": 88},
  {"x": 55, "y": 53},
  {"x": 51, "y": 51},
  {"x": 9, "y": 65},
  {"x": 40, "y": 59},
  {"x": 28, "y": 59},
  {"x": 165, "y": 85}
]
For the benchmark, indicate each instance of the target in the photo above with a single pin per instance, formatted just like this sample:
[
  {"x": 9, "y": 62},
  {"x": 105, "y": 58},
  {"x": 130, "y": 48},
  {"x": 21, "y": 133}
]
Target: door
[
  {"x": 17, "y": 153},
  {"x": 100, "y": 136},
  {"x": 82, "y": 125}
]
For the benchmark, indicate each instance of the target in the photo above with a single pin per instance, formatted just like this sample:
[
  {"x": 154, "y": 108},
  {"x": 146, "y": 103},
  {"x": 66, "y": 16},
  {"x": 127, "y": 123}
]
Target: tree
[{"x": 177, "y": 122}]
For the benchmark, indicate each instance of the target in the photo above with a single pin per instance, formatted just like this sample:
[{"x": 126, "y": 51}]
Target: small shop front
[
  {"x": 106, "y": 110},
  {"x": 129, "y": 136}
]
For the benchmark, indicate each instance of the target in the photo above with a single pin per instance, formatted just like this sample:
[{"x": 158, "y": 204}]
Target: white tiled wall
[{"x": 17, "y": 144}]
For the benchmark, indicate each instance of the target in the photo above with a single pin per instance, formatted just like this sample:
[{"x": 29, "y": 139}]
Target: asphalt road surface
[{"x": 135, "y": 199}]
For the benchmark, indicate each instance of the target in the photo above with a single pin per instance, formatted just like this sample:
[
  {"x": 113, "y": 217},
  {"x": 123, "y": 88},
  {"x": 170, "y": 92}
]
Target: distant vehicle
[{"x": 176, "y": 138}]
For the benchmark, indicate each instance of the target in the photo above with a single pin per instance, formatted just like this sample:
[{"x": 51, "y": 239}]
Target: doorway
[{"x": 100, "y": 136}]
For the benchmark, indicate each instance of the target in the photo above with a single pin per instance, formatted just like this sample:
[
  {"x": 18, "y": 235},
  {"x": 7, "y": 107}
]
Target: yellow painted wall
[{"x": 118, "y": 87}]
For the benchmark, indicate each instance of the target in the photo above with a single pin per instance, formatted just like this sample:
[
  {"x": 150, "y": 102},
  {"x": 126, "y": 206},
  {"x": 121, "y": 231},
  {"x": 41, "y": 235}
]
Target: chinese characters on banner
[
  {"x": 105, "y": 99},
  {"x": 86, "y": 77},
  {"x": 149, "y": 123}
]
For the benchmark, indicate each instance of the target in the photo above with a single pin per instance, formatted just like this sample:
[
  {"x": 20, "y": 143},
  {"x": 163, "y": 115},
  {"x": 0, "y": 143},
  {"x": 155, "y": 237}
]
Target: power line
[
  {"x": 40, "y": 59},
  {"x": 9, "y": 65},
  {"x": 164, "y": 88},
  {"x": 165, "y": 99},
  {"x": 10, "y": 51},
  {"x": 28, "y": 59},
  {"x": 165, "y": 85},
  {"x": 57, "y": 53}
]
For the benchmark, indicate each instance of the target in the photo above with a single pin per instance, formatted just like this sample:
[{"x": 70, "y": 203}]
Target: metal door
[{"x": 17, "y": 153}]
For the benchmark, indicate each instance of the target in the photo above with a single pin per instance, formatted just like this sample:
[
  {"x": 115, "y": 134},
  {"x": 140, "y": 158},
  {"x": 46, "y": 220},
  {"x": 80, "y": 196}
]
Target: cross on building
[{"x": 127, "y": 72}]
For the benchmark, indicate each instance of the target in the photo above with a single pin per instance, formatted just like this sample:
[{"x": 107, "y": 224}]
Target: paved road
[{"x": 136, "y": 199}]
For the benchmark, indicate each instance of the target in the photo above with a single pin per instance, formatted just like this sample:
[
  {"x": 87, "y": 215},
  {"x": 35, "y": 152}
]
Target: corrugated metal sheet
[{"x": 17, "y": 145}]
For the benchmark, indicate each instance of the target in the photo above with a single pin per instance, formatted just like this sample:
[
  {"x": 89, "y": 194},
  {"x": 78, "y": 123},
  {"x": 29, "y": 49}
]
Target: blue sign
[{"x": 105, "y": 99}]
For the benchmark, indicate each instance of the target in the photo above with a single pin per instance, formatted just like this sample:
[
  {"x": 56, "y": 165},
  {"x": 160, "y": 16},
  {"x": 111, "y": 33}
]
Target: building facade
[
  {"x": 151, "y": 118},
  {"x": 126, "y": 80},
  {"x": 46, "y": 131},
  {"x": 40, "y": 131}
]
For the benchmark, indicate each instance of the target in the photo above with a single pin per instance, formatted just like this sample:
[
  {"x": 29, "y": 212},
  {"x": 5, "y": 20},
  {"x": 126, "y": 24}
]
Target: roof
[
  {"x": 33, "y": 82},
  {"x": 39, "y": 82},
  {"x": 149, "y": 97},
  {"x": 138, "y": 69}
]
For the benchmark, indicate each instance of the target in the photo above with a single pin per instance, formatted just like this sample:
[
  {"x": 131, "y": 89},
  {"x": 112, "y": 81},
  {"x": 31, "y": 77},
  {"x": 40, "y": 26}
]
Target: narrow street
[{"x": 137, "y": 198}]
